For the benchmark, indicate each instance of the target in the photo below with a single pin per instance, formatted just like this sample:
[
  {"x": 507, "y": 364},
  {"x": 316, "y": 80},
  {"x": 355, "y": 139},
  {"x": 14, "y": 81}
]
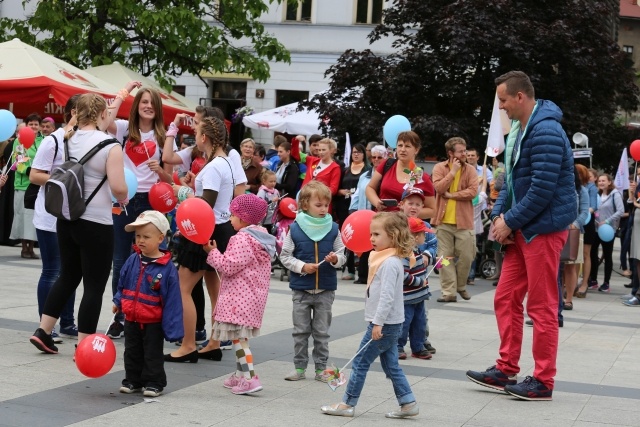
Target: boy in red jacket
[{"x": 149, "y": 296}]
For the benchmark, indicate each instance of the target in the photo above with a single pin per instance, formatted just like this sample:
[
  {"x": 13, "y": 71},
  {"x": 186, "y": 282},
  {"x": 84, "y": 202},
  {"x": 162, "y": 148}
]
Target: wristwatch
[{"x": 493, "y": 220}]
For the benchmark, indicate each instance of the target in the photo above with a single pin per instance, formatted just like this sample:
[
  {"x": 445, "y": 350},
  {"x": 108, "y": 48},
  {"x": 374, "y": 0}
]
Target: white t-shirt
[
  {"x": 236, "y": 164},
  {"x": 99, "y": 209},
  {"x": 44, "y": 160},
  {"x": 135, "y": 158},
  {"x": 185, "y": 155},
  {"x": 217, "y": 176}
]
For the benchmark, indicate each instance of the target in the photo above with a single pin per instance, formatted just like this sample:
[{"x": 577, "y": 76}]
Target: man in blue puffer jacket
[{"x": 535, "y": 206}]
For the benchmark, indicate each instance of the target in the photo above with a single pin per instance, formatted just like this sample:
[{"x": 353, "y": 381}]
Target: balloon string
[{"x": 110, "y": 323}]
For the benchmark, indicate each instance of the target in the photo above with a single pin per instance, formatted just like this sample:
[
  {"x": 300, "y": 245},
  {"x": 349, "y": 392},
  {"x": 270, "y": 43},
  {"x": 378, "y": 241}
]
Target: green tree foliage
[
  {"x": 449, "y": 53},
  {"x": 158, "y": 38}
]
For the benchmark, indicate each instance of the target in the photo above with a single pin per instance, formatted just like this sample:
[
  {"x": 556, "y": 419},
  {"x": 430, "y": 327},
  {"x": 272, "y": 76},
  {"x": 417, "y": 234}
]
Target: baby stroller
[
  {"x": 485, "y": 261},
  {"x": 280, "y": 228}
]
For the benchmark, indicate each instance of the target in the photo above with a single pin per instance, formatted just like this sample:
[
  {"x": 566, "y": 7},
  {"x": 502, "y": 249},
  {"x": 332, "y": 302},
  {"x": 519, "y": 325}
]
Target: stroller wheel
[{"x": 488, "y": 268}]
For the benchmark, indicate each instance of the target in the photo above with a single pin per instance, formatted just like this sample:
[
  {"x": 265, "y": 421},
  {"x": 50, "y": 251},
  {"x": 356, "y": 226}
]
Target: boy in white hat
[{"x": 149, "y": 296}]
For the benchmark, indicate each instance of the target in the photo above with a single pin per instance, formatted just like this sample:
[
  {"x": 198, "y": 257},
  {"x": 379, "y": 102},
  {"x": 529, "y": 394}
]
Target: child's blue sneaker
[{"x": 69, "y": 331}]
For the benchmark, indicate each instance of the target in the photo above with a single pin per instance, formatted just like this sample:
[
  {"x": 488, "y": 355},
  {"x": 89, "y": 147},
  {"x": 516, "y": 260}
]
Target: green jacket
[{"x": 21, "y": 181}]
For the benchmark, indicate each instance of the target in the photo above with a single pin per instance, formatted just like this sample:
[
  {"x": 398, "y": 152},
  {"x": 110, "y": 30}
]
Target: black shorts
[
  {"x": 590, "y": 233},
  {"x": 192, "y": 256}
]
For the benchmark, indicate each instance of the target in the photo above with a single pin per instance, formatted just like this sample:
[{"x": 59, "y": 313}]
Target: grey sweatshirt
[{"x": 384, "y": 304}]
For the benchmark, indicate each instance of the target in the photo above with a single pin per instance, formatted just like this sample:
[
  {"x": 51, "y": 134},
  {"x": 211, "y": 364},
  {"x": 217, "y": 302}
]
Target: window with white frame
[
  {"x": 300, "y": 11},
  {"x": 369, "y": 11},
  {"x": 627, "y": 49}
]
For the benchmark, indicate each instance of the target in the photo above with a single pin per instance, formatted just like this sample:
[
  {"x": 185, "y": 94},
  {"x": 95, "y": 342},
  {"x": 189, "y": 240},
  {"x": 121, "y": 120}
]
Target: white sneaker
[{"x": 627, "y": 297}]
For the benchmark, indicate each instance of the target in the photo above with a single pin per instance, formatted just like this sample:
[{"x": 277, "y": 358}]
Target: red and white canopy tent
[{"x": 33, "y": 81}]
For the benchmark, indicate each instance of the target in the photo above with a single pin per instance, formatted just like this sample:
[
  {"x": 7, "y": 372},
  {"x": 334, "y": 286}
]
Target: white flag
[
  {"x": 495, "y": 139},
  {"x": 622, "y": 175},
  {"x": 347, "y": 150}
]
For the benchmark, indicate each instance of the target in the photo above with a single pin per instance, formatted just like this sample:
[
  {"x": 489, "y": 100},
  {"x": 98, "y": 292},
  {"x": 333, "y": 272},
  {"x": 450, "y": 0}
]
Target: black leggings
[
  {"x": 86, "y": 253},
  {"x": 607, "y": 253}
]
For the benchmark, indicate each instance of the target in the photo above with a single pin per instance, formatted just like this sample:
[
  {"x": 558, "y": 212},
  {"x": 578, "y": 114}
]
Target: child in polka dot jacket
[{"x": 245, "y": 269}]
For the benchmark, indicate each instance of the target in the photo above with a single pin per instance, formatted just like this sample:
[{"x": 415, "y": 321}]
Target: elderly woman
[
  {"x": 250, "y": 164},
  {"x": 384, "y": 191}
]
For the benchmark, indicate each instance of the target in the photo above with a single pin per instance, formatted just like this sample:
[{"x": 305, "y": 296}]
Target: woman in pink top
[{"x": 390, "y": 185}]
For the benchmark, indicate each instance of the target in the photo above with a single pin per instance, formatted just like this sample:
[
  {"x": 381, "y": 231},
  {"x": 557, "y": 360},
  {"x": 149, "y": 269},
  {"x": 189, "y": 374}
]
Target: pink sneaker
[
  {"x": 246, "y": 387},
  {"x": 232, "y": 381}
]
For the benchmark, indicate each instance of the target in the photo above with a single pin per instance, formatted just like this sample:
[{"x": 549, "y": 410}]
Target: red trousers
[{"x": 530, "y": 269}]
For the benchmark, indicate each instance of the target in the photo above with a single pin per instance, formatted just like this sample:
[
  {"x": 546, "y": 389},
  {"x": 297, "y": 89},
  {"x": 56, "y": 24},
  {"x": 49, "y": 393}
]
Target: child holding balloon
[
  {"x": 384, "y": 313},
  {"x": 243, "y": 291},
  {"x": 411, "y": 204},
  {"x": 312, "y": 251},
  {"x": 149, "y": 297}
]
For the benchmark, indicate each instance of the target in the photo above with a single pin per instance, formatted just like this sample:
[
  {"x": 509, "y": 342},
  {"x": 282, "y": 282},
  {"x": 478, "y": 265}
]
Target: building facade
[{"x": 316, "y": 33}]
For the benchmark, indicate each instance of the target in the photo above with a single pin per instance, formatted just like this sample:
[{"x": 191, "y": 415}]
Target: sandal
[
  {"x": 568, "y": 306},
  {"x": 581, "y": 294}
]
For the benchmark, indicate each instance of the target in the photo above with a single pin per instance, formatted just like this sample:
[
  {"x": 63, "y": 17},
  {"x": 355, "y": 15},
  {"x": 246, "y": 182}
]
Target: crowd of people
[{"x": 534, "y": 201}]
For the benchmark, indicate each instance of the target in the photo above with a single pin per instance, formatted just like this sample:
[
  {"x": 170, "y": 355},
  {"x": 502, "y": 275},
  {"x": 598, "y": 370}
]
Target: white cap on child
[{"x": 150, "y": 217}]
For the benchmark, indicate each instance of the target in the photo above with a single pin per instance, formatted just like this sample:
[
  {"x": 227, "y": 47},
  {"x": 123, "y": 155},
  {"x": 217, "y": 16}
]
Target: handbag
[
  {"x": 30, "y": 196},
  {"x": 570, "y": 249}
]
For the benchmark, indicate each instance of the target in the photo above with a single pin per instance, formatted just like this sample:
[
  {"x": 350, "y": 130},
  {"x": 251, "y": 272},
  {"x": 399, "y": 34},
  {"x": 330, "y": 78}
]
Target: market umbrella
[
  {"x": 285, "y": 119},
  {"x": 172, "y": 102},
  {"x": 34, "y": 81}
]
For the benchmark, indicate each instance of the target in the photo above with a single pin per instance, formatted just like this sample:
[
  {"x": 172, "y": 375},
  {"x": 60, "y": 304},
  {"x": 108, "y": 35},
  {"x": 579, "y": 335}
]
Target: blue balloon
[
  {"x": 606, "y": 233},
  {"x": 132, "y": 184},
  {"x": 393, "y": 126},
  {"x": 586, "y": 221},
  {"x": 7, "y": 124}
]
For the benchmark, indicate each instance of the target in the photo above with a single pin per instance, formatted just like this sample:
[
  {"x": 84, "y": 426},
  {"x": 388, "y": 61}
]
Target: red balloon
[
  {"x": 634, "y": 150},
  {"x": 196, "y": 220},
  {"x": 27, "y": 137},
  {"x": 176, "y": 178},
  {"x": 197, "y": 164},
  {"x": 161, "y": 197},
  {"x": 288, "y": 207},
  {"x": 355, "y": 231},
  {"x": 95, "y": 355}
]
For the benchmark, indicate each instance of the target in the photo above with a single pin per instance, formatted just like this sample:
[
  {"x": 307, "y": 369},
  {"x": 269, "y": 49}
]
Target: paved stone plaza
[{"x": 597, "y": 383}]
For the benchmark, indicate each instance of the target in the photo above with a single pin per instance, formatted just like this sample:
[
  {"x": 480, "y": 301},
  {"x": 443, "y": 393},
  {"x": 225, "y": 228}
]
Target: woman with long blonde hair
[{"x": 86, "y": 244}]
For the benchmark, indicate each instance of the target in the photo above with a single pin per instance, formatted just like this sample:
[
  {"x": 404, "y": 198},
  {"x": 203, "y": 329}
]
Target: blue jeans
[
  {"x": 50, "y": 255},
  {"x": 414, "y": 327},
  {"x": 123, "y": 240},
  {"x": 387, "y": 348}
]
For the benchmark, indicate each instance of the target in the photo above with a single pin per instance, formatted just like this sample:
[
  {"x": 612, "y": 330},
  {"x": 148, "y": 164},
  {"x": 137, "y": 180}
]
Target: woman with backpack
[
  {"x": 49, "y": 156},
  {"x": 87, "y": 242},
  {"x": 143, "y": 137}
]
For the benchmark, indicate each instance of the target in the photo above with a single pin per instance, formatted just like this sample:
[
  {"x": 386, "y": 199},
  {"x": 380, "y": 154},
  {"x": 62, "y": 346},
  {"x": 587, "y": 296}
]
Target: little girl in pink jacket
[{"x": 245, "y": 269}]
